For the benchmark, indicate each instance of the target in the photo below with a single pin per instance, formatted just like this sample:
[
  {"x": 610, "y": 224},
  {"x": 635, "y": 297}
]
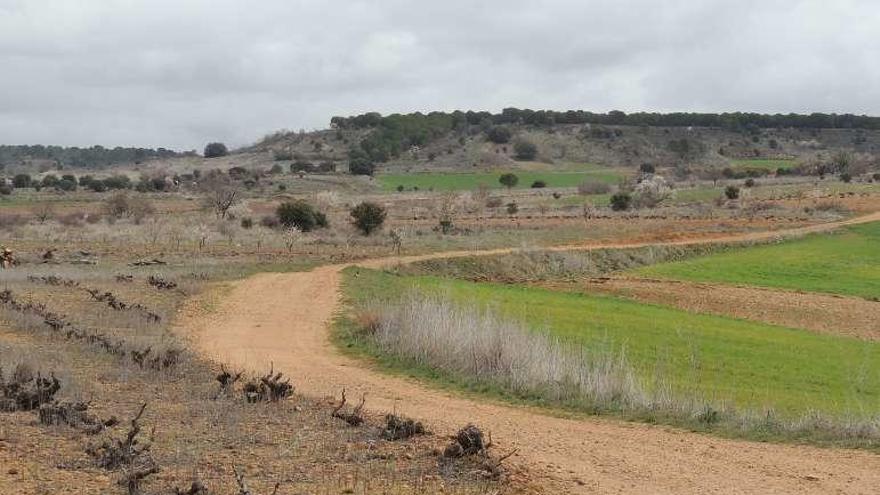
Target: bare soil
[
  {"x": 821, "y": 313},
  {"x": 284, "y": 319}
]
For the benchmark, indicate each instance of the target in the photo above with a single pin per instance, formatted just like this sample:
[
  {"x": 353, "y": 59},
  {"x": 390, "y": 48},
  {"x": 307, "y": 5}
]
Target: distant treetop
[
  {"x": 734, "y": 120},
  {"x": 95, "y": 156}
]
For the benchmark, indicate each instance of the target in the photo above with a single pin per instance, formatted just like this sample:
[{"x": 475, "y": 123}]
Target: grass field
[
  {"x": 767, "y": 164},
  {"x": 846, "y": 262},
  {"x": 471, "y": 180},
  {"x": 751, "y": 364}
]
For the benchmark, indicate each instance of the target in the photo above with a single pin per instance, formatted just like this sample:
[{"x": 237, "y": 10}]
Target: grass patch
[
  {"x": 748, "y": 364},
  {"x": 845, "y": 262},
  {"x": 770, "y": 164},
  {"x": 471, "y": 180}
]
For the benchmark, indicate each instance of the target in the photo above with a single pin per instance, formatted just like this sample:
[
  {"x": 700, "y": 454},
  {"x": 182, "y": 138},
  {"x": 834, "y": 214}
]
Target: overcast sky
[{"x": 178, "y": 73}]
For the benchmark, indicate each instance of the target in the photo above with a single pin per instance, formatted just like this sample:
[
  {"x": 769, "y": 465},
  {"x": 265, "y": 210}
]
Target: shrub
[
  {"x": 593, "y": 187},
  {"x": 750, "y": 182},
  {"x": 276, "y": 169},
  {"x": 652, "y": 191},
  {"x": 247, "y": 222},
  {"x": 621, "y": 201},
  {"x": 117, "y": 182},
  {"x": 846, "y": 177},
  {"x": 400, "y": 188},
  {"x": 215, "y": 150},
  {"x": 876, "y": 176},
  {"x": 525, "y": 150},
  {"x": 512, "y": 209},
  {"x": 493, "y": 202},
  {"x": 361, "y": 166},
  {"x": 97, "y": 185},
  {"x": 301, "y": 166},
  {"x": 5, "y": 189},
  {"x": 508, "y": 180},
  {"x": 301, "y": 215},
  {"x": 50, "y": 180},
  {"x": 538, "y": 184},
  {"x": 282, "y": 155},
  {"x": 731, "y": 192},
  {"x": 499, "y": 134},
  {"x": 121, "y": 205},
  {"x": 66, "y": 185},
  {"x": 647, "y": 168},
  {"x": 21, "y": 180},
  {"x": 368, "y": 217}
]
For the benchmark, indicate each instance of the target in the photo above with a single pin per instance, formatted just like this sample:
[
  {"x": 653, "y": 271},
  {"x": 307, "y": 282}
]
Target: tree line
[
  {"x": 739, "y": 121},
  {"x": 94, "y": 157}
]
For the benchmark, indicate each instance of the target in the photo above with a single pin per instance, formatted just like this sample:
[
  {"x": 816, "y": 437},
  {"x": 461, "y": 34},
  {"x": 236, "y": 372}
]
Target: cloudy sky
[{"x": 177, "y": 73}]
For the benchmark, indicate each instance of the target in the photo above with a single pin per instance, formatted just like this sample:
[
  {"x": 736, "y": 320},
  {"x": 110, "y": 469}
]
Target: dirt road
[{"x": 283, "y": 319}]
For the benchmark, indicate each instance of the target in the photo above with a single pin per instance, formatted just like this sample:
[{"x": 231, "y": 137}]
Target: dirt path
[{"x": 283, "y": 319}]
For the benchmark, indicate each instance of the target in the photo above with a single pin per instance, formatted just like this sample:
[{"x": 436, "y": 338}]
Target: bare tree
[{"x": 222, "y": 193}]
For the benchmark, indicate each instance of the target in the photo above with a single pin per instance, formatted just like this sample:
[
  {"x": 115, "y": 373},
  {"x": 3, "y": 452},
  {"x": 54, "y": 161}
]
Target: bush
[
  {"x": 499, "y": 134},
  {"x": 281, "y": 156},
  {"x": 66, "y": 184},
  {"x": 525, "y": 150},
  {"x": 876, "y": 177},
  {"x": 400, "y": 188},
  {"x": 21, "y": 180},
  {"x": 508, "y": 180},
  {"x": 647, "y": 168},
  {"x": 749, "y": 182},
  {"x": 247, "y": 223},
  {"x": 215, "y": 150},
  {"x": 368, "y": 217},
  {"x": 50, "y": 180},
  {"x": 5, "y": 189},
  {"x": 846, "y": 177},
  {"x": 621, "y": 201},
  {"x": 593, "y": 187},
  {"x": 731, "y": 192},
  {"x": 493, "y": 202},
  {"x": 512, "y": 209},
  {"x": 539, "y": 184},
  {"x": 361, "y": 166},
  {"x": 301, "y": 215},
  {"x": 96, "y": 185}
]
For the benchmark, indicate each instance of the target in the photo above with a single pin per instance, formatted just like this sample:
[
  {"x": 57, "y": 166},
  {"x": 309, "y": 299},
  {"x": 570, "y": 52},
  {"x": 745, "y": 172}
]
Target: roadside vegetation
[{"x": 617, "y": 356}]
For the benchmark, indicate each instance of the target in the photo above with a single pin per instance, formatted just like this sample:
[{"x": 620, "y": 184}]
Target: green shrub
[
  {"x": 525, "y": 150},
  {"x": 499, "y": 134},
  {"x": 5, "y": 189},
  {"x": 512, "y": 209},
  {"x": 368, "y": 217},
  {"x": 21, "y": 180},
  {"x": 539, "y": 184},
  {"x": 731, "y": 192},
  {"x": 301, "y": 215},
  {"x": 621, "y": 201},
  {"x": 750, "y": 182},
  {"x": 508, "y": 180},
  {"x": 215, "y": 150}
]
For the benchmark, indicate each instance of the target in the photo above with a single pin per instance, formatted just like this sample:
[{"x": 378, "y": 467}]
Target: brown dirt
[
  {"x": 821, "y": 313},
  {"x": 284, "y": 318}
]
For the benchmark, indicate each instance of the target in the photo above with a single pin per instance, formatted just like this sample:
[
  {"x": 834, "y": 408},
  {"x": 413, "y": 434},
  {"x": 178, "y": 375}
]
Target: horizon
[{"x": 180, "y": 74}]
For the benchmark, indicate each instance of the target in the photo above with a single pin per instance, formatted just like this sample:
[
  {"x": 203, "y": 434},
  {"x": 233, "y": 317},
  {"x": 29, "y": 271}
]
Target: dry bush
[{"x": 434, "y": 332}]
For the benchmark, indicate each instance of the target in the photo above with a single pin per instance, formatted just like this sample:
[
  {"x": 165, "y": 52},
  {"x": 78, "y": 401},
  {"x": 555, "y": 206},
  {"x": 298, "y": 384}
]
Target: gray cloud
[{"x": 178, "y": 73}]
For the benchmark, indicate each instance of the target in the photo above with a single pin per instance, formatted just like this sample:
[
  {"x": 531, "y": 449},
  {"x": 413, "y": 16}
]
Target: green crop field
[
  {"x": 754, "y": 365},
  {"x": 845, "y": 262},
  {"x": 767, "y": 164},
  {"x": 471, "y": 180}
]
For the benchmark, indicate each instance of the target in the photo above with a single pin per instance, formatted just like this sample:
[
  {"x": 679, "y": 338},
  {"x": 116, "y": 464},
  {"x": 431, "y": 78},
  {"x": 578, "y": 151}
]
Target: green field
[
  {"x": 845, "y": 262},
  {"x": 766, "y": 164},
  {"x": 471, "y": 180},
  {"x": 751, "y": 364}
]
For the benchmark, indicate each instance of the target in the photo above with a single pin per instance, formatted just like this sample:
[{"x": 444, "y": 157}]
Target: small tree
[
  {"x": 621, "y": 201},
  {"x": 215, "y": 150},
  {"x": 525, "y": 150},
  {"x": 21, "y": 180},
  {"x": 499, "y": 134},
  {"x": 508, "y": 180},
  {"x": 732, "y": 192},
  {"x": 368, "y": 217},
  {"x": 301, "y": 215}
]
